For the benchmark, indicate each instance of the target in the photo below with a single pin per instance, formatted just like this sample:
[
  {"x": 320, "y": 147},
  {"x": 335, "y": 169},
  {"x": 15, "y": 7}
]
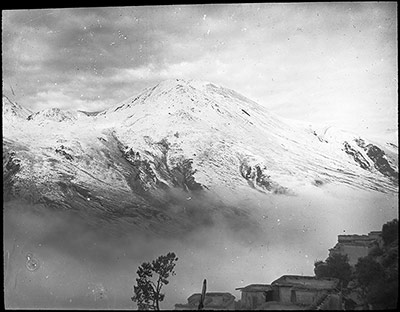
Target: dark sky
[{"x": 334, "y": 63}]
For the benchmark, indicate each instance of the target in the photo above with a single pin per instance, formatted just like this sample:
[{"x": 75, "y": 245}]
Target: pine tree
[{"x": 151, "y": 278}]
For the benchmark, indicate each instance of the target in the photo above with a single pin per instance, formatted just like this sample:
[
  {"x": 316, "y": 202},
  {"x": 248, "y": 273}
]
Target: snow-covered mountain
[{"x": 195, "y": 137}]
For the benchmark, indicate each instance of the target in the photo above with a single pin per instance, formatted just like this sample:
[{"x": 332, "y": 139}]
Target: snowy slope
[
  {"x": 12, "y": 110},
  {"x": 53, "y": 114},
  {"x": 188, "y": 135},
  {"x": 223, "y": 131}
]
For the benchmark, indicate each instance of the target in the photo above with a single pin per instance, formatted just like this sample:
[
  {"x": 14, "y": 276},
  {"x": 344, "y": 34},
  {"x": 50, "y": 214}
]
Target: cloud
[
  {"x": 57, "y": 99},
  {"x": 319, "y": 56}
]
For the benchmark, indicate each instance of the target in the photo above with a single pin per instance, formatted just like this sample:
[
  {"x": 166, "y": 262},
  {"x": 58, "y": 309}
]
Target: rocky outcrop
[
  {"x": 380, "y": 162},
  {"x": 53, "y": 114},
  {"x": 378, "y": 159},
  {"x": 257, "y": 178},
  {"x": 142, "y": 176},
  {"x": 356, "y": 155},
  {"x": 184, "y": 176},
  {"x": 160, "y": 170},
  {"x": 64, "y": 151}
]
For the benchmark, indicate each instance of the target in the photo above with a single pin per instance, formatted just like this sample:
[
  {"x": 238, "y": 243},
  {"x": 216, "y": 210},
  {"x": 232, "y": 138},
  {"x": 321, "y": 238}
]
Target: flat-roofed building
[
  {"x": 357, "y": 246},
  {"x": 292, "y": 292},
  {"x": 303, "y": 290},
  {"x": 255, "y": 294},
  {"x": 212, "y": 301}
]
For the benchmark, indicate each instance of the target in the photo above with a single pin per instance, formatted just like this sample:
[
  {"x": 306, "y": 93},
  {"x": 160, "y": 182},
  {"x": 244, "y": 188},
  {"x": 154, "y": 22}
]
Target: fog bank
[{"x": 88, "y": 264}]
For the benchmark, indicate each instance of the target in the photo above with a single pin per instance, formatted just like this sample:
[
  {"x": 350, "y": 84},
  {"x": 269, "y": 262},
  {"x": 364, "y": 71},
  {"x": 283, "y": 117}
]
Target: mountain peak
[
  {"x": 197, "y": 84},
  {"x": 187, "y": 95},
  {"x": 179, "y": 86}
]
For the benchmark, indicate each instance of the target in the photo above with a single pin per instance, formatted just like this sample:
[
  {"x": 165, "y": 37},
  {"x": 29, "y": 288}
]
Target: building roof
[
  {"x": 309, "y": 282},
  {"x": 372, "y": 236},
  {"x": 255, "y": 288},
  {"x": 375, "y": 232}
]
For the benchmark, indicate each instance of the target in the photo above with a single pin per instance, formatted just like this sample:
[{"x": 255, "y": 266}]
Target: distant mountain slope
[
  {"x": 12, "y": 110},
  {"x": 53, "y": 114}
]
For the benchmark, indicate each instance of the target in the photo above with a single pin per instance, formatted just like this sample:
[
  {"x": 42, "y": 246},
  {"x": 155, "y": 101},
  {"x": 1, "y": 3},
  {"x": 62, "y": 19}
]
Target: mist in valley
[{"x": 85, "y": 262}]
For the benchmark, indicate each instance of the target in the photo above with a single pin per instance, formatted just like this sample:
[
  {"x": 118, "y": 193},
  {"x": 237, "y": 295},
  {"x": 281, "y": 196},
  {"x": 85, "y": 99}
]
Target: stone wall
[
  {"x": 251, "y": 300},
  {"x": 304, "y": 296},
  {"x": 285, "y": 294}
]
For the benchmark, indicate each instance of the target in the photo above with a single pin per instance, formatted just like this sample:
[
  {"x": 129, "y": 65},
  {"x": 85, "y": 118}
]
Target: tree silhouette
[
  {"x": 390, "y": 231},
  {"x": 377, "y": 274},
  {"x": 151, "y": 278},
  {"x": 337, "y": 266}
]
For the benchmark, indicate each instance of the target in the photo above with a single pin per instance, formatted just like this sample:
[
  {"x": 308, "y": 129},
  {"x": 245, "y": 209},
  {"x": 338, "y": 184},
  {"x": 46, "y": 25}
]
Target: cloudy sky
[{"x": 330, "y": 63}]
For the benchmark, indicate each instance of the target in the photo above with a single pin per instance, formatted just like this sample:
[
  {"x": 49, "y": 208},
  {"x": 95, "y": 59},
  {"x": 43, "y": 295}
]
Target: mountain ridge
[{"x": 181, "y": 135}]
